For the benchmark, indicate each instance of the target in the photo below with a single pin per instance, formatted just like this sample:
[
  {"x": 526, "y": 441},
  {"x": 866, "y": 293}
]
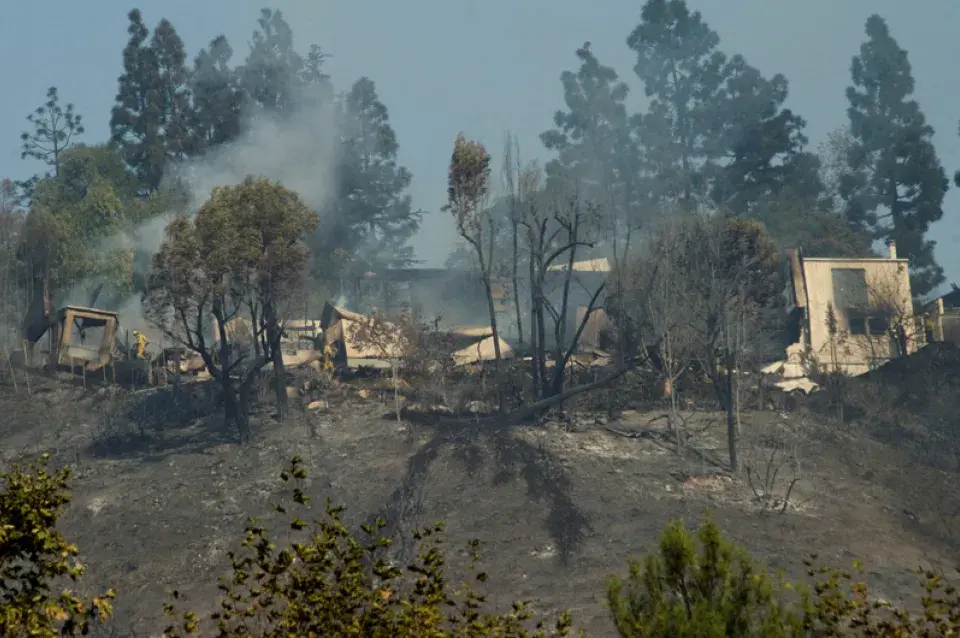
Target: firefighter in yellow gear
[
  {"x": 329, "y": 352},
  {"x": 141, "y": 344}
]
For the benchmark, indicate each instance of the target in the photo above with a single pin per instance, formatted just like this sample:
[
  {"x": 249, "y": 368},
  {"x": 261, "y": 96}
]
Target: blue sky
[{"x": 443, "y": 66}]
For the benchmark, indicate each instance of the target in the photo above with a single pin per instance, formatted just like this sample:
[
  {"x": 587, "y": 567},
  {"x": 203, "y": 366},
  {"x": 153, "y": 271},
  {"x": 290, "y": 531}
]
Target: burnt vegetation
[{"x": 623, "y": 338}]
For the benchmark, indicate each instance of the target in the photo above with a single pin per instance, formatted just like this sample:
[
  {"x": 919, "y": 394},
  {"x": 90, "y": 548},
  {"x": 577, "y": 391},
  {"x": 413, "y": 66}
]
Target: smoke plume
[{"x": 298, "y": 149}]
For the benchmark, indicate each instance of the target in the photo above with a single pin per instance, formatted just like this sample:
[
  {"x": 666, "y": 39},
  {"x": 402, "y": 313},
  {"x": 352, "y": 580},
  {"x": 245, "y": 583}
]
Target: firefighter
[{"x": 141, "y": 344}]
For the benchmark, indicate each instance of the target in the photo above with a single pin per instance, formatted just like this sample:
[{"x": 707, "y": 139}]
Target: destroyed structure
[
  {"x": 942, "y": 318},
  {"x": 78, "y": 336},
  {"x": 588, "y": 276},
  {"x": 848, "y": 315}
]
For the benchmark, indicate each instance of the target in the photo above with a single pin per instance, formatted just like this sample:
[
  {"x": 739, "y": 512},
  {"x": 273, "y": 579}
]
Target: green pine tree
[
  {"x": 896, "y": 184},
  {"x": 271, "y": 74},
  {"x": 217, "y": 97},
  {"x": 150, "y": 122},
  {"x": 683, "y": 74},
  {"x": 765, "y": 156},
  {"x": 594, "y": 145},
  {"x": 377, "y": 218},
  {"x": 55, "y": 129}
]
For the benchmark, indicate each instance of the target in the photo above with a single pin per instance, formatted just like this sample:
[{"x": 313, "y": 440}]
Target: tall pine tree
[
  {"x": 272, "y": 72},
  {"x": 375, "y": 218},
  {"x": 150, "y": 122},
  {"x": 683, "y": 73},
  {"x": 55, "y": 129},
  {"x": 764, "y": 156},
  {"x": 896, "y": 184},
  {"x": 594, "y": 145},
  {"x": 217, "y": 97}
]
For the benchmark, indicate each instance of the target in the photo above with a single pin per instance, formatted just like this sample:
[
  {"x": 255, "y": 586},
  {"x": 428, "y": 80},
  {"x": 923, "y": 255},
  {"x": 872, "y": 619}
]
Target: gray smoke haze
[{"x": 298, "y": 150}]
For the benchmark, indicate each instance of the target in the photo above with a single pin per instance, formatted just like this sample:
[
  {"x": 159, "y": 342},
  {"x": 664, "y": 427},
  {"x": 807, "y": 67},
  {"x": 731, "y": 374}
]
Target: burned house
[
  {"x": 456, "y": 296},
  {"x": 848, "y": 315},
  {"x": 942, "y": 318},
  {"x": 78, "y": 336},
  {"x": 588, "y": 276}
]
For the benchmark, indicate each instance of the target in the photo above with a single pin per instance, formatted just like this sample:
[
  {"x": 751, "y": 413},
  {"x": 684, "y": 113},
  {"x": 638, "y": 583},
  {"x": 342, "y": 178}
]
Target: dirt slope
[{"x": 161, "y": 492}]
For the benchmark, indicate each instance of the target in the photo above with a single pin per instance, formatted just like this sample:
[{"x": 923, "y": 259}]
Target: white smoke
[{"x": 298, "y": 150}]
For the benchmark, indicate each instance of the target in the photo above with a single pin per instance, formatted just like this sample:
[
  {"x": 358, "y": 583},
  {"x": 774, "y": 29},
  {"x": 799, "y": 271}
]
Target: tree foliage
[
  {"x": 683, "y": 71},
  {"x": 150, "y": 123},
  {"x": 596, "y": 149},
  {"x": 763, "y": 145},
  {"x": 35, "y": 558},
  {"x": 218, "y": 98},
  {"x": 896, "y": 184},
  {"x": 55, "y": 128},
  {"x": 240, "y": 259},
  {"x": 373, "y": 218},
  {"x": 721, "y": 590},
  {"x": 717, "y": 130},
  {"x": 74, "y": 216},
  {"x": 271, "y": 73}
]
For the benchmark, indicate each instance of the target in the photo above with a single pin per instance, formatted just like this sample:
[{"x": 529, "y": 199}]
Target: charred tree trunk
[
  {"x": 516, "y": 276},
  {"x": 273, "y": 331},
  {"x": 534, "y": 323},
  {"x": 486, "y": 264},
  {"x": 733, "y": 429}
]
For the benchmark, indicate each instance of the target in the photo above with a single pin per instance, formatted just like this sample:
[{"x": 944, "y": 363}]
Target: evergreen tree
[
  {"x": 683, "y": 73},
  {"x": 217, "y": 97},
  {"x": 375, "y": 216},
  {"x": 765, "y": 158},
  {"x": 150, "y": 122},
  {"x": 93, "y": 198},
  {"x": 896, "y": 184},
  {"x": 272, "y": 71},
  {"x": 312, "y": 74},
  {"x": 594, "y": 144},
  {"x": 54, "y": 129}
]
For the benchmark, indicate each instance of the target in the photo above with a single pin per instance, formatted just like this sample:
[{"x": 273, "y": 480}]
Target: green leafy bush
[
  {"x": 34, "y": 558},
  {"x": 721, "y": 591},
  {"x": 329, "y": 582}
]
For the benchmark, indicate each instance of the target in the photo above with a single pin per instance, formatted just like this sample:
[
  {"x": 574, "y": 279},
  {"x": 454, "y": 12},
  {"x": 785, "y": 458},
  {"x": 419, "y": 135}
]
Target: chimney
[{"x": 892, "y": 248}]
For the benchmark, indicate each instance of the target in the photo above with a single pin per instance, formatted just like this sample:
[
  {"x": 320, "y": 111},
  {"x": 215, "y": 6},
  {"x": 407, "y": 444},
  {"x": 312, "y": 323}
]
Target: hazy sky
[{"x": 443, "y": 66}]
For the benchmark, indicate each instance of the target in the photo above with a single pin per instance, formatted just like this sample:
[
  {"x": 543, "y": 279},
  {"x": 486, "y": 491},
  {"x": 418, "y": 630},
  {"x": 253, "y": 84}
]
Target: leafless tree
[
  {"x": 775, "y": 466},
  {"x": 391, "y": 341},
  {"x": 556, "y": 225},
  {"x": 513, "y": 178},
  {"x": 732, "y": 268},
  {"x": 665, "y": 308}
]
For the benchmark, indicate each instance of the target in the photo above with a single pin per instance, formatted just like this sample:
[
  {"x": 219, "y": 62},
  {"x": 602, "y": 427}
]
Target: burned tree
[
  {"x": 468, "y": 191},
  {"x": 733, "y": 268},
  {"x": 513, "y": 177},
  {"x": 656, "y": 310},
  {"x": 556, "y": 225},
  {"x": 243, "y": 250}
]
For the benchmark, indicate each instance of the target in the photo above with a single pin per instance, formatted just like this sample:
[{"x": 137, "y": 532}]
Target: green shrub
[
  {"x": 721, "y": 591},
  {"x": 329, "y": 582},
  {"x": 34, "y": 558}
]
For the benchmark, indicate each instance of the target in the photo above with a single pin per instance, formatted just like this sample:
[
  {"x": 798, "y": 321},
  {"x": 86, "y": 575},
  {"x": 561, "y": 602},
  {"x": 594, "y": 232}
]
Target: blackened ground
[{"x": 161, "y": 491}]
